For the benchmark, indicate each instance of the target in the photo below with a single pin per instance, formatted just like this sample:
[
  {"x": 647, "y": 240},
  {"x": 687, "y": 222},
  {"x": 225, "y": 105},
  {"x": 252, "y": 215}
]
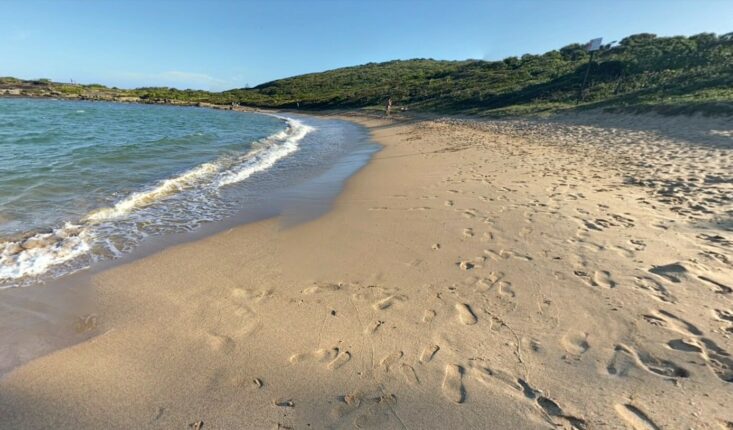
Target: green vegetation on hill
[{"x": 642, "y": 72}]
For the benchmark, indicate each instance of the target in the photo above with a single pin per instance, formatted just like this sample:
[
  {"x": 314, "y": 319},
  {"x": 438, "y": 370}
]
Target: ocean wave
[
  {"x": 36, "y": 254},
  {"x": 265, "y": 157},
  {"x": 144, "y": 198},
  {"x": 224, "y": 171}
]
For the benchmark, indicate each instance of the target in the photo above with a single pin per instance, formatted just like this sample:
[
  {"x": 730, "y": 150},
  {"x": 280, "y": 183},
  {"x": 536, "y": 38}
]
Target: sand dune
[{"x": 573, "y": 272}]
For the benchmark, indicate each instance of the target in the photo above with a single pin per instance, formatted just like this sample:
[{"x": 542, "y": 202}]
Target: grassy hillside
[{"x": 641, "y": 72}]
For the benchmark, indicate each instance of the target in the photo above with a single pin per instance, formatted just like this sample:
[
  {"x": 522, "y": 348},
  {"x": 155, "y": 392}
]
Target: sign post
[{"x": 592, "y": 46}]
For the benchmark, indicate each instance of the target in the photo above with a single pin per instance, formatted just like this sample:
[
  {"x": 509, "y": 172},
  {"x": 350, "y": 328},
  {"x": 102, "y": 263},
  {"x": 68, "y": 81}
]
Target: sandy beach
[{"x": 573, "y": 272}]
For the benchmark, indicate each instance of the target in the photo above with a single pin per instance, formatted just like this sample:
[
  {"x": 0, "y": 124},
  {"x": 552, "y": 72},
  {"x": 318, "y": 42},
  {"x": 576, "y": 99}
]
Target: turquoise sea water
[{"x": 85, "y": 181}]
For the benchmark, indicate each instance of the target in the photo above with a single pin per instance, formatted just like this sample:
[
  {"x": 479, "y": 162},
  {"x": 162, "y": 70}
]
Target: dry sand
[{"x": 566, "y": 273}]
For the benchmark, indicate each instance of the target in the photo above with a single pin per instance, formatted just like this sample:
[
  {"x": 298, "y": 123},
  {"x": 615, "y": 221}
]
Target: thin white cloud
[
  {"x": 174, "y": 78},
  {"x": 190, "y": 77}
]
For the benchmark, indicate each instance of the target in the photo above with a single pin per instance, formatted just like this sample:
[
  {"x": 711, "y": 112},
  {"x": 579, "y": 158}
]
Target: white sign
[{"x": 594, "y": 44}]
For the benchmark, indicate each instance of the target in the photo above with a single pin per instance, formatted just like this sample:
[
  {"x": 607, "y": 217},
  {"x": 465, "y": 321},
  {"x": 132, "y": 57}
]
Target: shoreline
[
  {"x": 337, "y": 163},
  {"x": 462, "y": 278},
  {"x": 53, "y": 312}
]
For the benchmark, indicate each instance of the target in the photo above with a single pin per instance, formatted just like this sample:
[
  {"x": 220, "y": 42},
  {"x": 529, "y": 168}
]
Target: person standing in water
[{"x": 388, "y": 108}]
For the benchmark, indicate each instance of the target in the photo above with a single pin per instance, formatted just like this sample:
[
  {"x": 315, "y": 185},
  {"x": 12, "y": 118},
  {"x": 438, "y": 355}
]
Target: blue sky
[{"x": 218, "y": 45}]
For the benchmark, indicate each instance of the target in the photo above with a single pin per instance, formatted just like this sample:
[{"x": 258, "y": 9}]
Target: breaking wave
[{"x": 40, "y": 252}]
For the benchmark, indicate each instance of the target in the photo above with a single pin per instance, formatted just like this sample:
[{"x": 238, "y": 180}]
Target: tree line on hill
[{"x": 640, "y": 72}]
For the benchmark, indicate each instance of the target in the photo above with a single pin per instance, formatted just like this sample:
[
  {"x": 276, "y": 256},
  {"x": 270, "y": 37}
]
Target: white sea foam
[
  {"x": 163, "y": 189},
  {"x": 220, "y": 173},
  {"x": 37, "y": 254},
  {"x": 266, "y": 156}
]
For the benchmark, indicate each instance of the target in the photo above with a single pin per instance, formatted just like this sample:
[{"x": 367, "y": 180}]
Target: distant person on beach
[{"x": 388, "y": 108}]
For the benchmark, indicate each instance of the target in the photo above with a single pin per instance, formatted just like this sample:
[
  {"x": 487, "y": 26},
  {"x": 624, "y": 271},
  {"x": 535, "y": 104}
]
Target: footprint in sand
[
  {"x": 674, "y": 272},
  {"x": 488, "y": 376},
  {"x": 490, "y": 281},
  {"x": 718, "y": 287},
  {"x": 504, "y": 254},
  {"x": 465, "y": 314},
  {"x": 575, "y": 343},
  {"x": 409, "y": 373},
  {"x": 218, "y": 342},
  {"x": 564, "y": 420},
  {"x": 283, "y": 403},
  {"x": 321, "y": 288},
  {"x": 672, "y": 322},
  {"x": 86, "y": 323},
  {"x": 635, "y": 417},
  {"x": 716, "y": 358},
  {"x": 716, "y": 256},
  {"x": 644, "y": 360},
  {"x": 349, "y": 403},
  {"x": 639, "y": 244},
  {"x": 252, "y": 294},
  {"x": 487, "y": 236},
  {"x": 559, "y": 417},
  {"x": 602, "y": 278},
  {"x": 469, "y": 213},
  {"x": 465, "y": 265},
  {"x": 319, "y": 355},
  {"x": 685, "y": 345},
  {"x": 428, "y": 353},
  {"x": 590, "y": 225},
  {"x": 452, "y": 384},
  {"x": 373, "y": 327},
  {"x": 505, "y": 289},
  {"x": 249, "y": 321},
  {"x": 621, "y": 363},
  {"x": 379, "y": 412},
  {"x": 390, "y": 360},
  {"x": 624, "y": 221},
  {"x": 333, "y": 356},
  {"x": 585, "y": 276},
  {"x": 654, "y": 289},
  {"x": 341, "y": 359},
  {"x": 388, "y": 302},
  {"x": 726, "y": 317},
  {"x": 623, "y": 251}
]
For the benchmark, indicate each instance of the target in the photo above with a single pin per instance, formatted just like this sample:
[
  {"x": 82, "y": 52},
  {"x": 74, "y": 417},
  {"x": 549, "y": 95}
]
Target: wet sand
[{"x": 575, "y": 272}]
